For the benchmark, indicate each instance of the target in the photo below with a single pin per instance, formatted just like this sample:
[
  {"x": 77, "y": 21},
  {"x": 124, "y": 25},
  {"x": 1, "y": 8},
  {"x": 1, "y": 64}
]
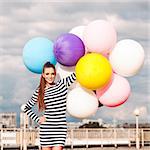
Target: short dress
[{"x": 53, "y": 131}]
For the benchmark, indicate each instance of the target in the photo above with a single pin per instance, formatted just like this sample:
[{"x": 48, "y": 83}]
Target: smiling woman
[{"x": 51, "y": 99}]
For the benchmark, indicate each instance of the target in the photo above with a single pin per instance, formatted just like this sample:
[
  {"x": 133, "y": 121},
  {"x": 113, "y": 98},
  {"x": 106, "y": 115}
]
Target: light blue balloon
[{"x": 37, "y": 52}]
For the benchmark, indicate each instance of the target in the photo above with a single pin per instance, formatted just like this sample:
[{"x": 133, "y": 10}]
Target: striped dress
[{"x": 54, "y": 130}]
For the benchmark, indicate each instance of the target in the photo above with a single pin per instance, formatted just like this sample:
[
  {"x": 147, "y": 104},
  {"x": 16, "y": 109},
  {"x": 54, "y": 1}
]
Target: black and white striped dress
[{"x": 54, "y": 130}]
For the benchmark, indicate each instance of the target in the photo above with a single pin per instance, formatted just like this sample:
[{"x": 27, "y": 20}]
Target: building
[
  {"x": 74, "y": 125},
  {"x": 8, "y": 120},
  {"x": 87, "y": 121},
  {"x": 29, "y": 123},
  {"x": 24, "y": 120}
]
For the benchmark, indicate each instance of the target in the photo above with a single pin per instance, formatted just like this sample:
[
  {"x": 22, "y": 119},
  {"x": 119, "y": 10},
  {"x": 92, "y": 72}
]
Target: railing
[{"x": 110, "y": 136}]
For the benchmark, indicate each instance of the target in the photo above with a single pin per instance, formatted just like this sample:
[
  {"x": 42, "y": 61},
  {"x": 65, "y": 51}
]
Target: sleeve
[
  {"x": 69, "y": 80},
  {"x": 28, "y": 106}
]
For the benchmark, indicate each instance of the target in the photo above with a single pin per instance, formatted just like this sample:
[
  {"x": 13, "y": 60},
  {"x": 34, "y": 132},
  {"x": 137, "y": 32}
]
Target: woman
[{"x": 51, "y": 98}]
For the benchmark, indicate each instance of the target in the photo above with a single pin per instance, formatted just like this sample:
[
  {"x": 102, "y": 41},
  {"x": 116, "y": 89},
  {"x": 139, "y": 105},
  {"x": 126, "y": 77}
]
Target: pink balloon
[
  {"x": 106, "y": 55},
  {"x": 101, "y": 91},
  {"x": 100, "y": 36},
  {"x": 116, "y": 94}
]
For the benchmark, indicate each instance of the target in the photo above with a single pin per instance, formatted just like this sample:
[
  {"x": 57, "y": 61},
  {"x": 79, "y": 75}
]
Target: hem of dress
[{"x": 51, "y": 145}]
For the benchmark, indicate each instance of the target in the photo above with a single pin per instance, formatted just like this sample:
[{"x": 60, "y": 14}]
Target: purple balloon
[{"x": 68, "y": 49}]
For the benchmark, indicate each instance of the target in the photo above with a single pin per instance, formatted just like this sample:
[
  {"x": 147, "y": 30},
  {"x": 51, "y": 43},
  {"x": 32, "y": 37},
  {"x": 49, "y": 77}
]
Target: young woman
[{"x": 51, "y": 99}]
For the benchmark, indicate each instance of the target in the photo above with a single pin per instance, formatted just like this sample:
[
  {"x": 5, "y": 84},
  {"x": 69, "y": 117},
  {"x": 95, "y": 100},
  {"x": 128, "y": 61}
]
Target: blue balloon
[{"x": 36, "y": 52}]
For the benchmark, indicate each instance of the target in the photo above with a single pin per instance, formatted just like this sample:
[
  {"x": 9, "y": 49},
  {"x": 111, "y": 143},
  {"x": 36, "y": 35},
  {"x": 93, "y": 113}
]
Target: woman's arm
[
  {"x": 69, "y": 80},
  {"x": 28, "y": 107}
]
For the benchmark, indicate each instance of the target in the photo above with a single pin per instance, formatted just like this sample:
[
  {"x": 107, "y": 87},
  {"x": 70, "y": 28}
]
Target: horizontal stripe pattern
[
  {"x": 53, "y": 131},
  {"x": 30, "y": 104}
]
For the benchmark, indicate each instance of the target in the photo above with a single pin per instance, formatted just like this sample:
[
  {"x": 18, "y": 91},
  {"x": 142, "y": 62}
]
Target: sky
[{"x": 22, "y": 20}]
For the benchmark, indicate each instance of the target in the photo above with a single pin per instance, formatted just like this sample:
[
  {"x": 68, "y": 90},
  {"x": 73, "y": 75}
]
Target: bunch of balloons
[{"x": 99, "y": 61}]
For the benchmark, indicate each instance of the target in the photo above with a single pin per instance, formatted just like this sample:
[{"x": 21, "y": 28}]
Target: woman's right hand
[{"x": 42, "y": 119}]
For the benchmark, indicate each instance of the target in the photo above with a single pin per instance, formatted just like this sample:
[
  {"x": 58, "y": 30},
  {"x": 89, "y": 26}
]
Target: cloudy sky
[{"x": 22, "y": 20}]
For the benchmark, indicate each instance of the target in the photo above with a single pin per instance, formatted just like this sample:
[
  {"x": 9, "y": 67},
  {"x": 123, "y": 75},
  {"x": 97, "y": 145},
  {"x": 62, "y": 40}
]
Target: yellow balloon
[{"x": 93, "y": 71}]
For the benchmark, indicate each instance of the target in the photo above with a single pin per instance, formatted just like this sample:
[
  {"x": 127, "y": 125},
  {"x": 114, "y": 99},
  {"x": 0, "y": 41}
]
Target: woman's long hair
[{"x": 41, "y": 104}]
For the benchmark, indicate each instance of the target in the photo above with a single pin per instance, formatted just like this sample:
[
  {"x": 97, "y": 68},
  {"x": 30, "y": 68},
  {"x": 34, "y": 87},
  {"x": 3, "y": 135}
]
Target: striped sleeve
[
  {"x": 69, "y": 80},
  {"x": 28, "y": 107}
]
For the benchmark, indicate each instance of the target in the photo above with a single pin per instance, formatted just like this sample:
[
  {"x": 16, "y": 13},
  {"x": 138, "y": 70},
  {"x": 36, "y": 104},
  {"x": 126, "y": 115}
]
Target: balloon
[
  {"x": 36, "y": 52},
  {"x": 23, "y": 107},
  {"x": 81, "y": 103},
  {"x": 78, "y": 31},
  {"x": 64, "y": 71},
  {"x": 68, "y": 49},
  {"x": 102, "y": 90},
  {"x": 99, "y": 36},
  {"x": 127, "y": 58},
  {"x": 93, "y": 71},
  {"x": 106, "y": 55},
  {"x": 117, "y": 93}
]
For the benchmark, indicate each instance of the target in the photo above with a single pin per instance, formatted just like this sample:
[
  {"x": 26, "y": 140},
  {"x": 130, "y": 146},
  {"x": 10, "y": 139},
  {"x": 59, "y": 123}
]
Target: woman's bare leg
[
  {"x": 46, "y": 148},
  {"x": 57, "y": 148}
]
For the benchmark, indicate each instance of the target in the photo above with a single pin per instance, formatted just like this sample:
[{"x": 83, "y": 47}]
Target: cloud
[
  {"x": 1, "y": 99},
  {"x": 10, "y": 64},
  {"x": 16, "y": 79},
  {"x": 122, "y": 113},
  {"x": 134, "y": 32},
  {"x": 22, "y": 91},
  {"x": 51, "y": 19}
]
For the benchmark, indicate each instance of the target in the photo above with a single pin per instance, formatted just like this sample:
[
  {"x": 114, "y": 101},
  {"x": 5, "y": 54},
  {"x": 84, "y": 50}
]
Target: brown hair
[{"x": 42, "y": 85}]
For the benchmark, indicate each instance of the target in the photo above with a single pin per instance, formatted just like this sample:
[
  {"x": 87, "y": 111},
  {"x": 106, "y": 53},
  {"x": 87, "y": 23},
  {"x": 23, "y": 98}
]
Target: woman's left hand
[{"x": 42, "y": 119}]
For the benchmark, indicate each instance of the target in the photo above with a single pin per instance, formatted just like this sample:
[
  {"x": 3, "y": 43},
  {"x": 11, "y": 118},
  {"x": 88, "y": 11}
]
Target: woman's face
[{"x": 49, "y": 75}]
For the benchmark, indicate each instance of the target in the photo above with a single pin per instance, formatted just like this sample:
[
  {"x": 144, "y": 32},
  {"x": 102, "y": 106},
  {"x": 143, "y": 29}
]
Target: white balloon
[
  {"x": 127, "y": 57},
  {"x": 81, "y": 103},
  {"x": 64, "y": 71},
  {"x": 78, "y": 31},
  {"x": 23, "y": 107}
]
